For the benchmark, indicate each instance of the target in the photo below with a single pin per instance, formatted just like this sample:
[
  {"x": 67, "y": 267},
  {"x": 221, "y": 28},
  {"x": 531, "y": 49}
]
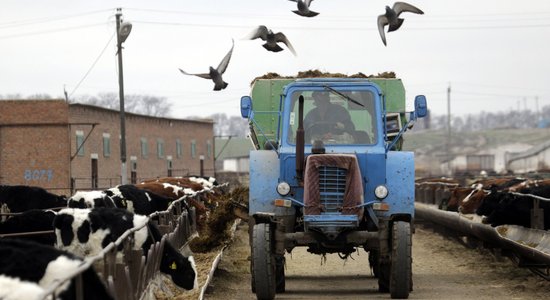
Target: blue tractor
[{"x": 333, "y": 180}]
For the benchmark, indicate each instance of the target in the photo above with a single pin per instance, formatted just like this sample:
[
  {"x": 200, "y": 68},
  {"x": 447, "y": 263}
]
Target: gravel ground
[{"x": 442, "y": 269}]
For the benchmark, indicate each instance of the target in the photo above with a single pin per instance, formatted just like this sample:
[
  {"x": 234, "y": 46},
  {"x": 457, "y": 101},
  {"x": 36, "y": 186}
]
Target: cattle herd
[
  {"x": 498, "y": 201},
  {"x": 44, "y": 237}
]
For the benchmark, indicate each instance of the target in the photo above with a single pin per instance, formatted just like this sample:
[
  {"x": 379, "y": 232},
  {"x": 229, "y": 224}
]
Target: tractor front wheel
[{"x": 263, "y": 262}]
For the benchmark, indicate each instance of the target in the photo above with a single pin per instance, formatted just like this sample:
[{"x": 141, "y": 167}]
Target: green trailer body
[{"x": 266, "y": 97}]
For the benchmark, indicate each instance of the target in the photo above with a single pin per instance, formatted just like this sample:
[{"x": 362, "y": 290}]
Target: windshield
[{"x": 334, "y": 117}]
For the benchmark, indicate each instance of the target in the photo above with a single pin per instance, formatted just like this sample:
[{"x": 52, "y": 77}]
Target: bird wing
[
  {"x": 260, "y": 32},
  {"x": 280, "y": 37},
  {"x": 225, "y": 61},
  {"x": 307, "y": 2},
  {"x": 400, "y": 7},
  {"x": 382, "y": 21},
  {"x": 202, "y": 75},
  {"x": 293, "y": 0}
]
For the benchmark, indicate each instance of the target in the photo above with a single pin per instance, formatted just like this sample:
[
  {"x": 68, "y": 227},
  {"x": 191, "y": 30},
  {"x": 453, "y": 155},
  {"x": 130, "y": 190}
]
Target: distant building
[
  {"x": 233, "y": 159},
  {"x": 63, "y": 147},
  {"x": 492, "y": 160},
  {"x": 534, "y": 159}
]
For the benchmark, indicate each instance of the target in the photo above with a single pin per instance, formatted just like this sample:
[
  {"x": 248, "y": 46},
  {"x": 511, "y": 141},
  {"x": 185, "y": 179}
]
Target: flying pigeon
[
  {"x": 391, "y": 17},
  {"x": 271, "y": 39},
  {"x": 216, "y": 74},
  {"x": 303, "y": 8}
]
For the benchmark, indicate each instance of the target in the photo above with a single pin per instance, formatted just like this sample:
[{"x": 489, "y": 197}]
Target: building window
[
  {"x": 209, "y": 149},
  {"x": 193, "y": 149},
  {"x": 179, "y": 149},
  {"x": 80, "y": 142},
  {"x": 160, "y": 148},
  {"x": 106, "y": 145},
  {"x": 144, "y": 147}
]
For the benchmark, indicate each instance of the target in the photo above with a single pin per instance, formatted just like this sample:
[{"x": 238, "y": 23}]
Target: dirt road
[{"x": 442, "y": 269}]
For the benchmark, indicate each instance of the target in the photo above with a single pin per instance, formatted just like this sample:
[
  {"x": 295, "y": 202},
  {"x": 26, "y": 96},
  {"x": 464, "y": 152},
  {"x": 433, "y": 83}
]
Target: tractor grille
[{"x": 332, "y": 186}]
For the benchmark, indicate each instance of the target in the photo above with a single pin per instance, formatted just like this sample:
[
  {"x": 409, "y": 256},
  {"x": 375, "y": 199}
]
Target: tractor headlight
[
  {"x": 283, "y": 188},
  {"x": 381, "y": 192}
]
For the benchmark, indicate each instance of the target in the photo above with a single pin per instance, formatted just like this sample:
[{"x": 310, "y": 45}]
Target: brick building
[{"x": 63, "y": 147}]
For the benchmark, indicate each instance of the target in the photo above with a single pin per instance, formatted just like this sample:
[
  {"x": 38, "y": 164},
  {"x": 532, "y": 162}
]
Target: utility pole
[
  {"x": 537, "y": 108},
  {"x": 122, "y": 33},
  {"x": 449, "y": 127}
]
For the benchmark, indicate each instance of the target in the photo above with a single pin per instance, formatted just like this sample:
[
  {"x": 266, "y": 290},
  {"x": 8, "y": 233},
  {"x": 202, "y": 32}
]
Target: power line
[
  {"x": 93, "y": 65},
  {"x": 347, "y": 17},
  {"x": 47, "y": 19},
  {"x": 344, "y": 28},
  {"x": 10, "y": 36}
]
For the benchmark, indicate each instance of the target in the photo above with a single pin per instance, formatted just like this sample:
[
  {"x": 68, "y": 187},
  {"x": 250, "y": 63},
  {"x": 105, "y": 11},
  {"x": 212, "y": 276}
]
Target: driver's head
[{"x": 320, "y": 98}]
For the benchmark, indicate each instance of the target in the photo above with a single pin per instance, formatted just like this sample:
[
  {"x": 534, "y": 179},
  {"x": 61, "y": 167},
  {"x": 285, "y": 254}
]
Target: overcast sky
[{"x": 494, "y": 54}]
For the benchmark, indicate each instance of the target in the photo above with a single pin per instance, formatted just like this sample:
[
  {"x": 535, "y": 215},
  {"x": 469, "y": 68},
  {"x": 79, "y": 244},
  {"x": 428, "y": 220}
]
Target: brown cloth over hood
[{"x": 353, "y": 195}]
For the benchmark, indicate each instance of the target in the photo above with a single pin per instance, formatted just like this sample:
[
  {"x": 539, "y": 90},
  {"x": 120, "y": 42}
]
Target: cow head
[{"x": 181, "y": 269}]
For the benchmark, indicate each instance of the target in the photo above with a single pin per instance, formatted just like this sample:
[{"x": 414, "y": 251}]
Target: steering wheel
[{"x": 322, "y": 128}]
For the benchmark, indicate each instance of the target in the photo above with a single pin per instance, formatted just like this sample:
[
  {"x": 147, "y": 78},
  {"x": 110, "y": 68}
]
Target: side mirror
[
  {"x": 246, "y": 106},
  {"x": 420, "y": 106}
]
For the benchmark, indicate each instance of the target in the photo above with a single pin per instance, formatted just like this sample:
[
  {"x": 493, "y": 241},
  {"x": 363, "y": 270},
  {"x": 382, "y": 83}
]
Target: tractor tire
[
  {"x": 280, "y": 273},
  {"x": 401, "y": 261},
  {"x": 384, "y": 277},
  {"x": 374, "y": 257},
  {"x": 250, "y": 234},
  {"x": 263, "y": 262}
]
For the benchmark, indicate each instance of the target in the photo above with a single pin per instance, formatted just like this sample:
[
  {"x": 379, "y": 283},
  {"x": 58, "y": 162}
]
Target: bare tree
[
  {"x": 225, "y": 126},
  {"x": 140, "y": 104}
]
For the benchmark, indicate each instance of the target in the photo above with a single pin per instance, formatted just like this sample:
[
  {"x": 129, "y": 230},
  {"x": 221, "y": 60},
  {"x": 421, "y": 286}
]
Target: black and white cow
[
  {"x": 123, "y": 196},
  {"x": 12, "y": 288},
  {"x": 29, "y": 221},
  {"x": 86, "y": 232},
  {"x": 89, "y": 199},
  {"x": 20, "y": 198},
  {"x": 31, "y": 262}
]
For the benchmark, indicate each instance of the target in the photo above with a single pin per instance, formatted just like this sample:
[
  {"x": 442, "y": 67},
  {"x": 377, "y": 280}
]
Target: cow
[
  {"x": 86, "y": 232},
  {"x": 20, "y": 198},
  {"x": 166, "y": 189},
  {"x": 482, "y": 188},
  {"x": 178, "y": 181},
  {"x": 43, "y": 265},
  {"x": 457, "y": 195},
  {"x": 175, "y": 192},
  {"x": 122, "y": 196},
  {"x": 14, "y": 289},
  {"x": 88, "y": 199},
  {"x": 469, "y": 204},
  {"x": 206, "y": 181},
  {"x": 515, "y": 208},
  {"x": 30, "y": 221}
]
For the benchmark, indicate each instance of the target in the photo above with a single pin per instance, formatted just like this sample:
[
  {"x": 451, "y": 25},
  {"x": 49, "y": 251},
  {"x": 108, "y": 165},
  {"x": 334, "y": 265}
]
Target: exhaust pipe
[{"x": 300, "y": 141}]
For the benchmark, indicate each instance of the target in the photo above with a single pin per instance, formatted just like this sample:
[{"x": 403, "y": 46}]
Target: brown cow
[
  {"x": 469, "y": 204},
  {"x": 177, "y": 181},
  {"x": 483, "y": 188},
  {"x": 457, "y": 195},
  {"x": 175, "y": 192}
]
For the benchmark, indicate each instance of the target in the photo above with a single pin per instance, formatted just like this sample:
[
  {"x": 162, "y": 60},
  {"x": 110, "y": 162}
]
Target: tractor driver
[{"x": 326, "y": 119}]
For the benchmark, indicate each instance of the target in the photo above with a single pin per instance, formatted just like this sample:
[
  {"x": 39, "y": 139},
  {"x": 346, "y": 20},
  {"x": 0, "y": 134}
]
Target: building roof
[
  {"x": 235, "y": 147},
  {"x": 88, "y": 106},
  {"x": 530, "y": 152}
]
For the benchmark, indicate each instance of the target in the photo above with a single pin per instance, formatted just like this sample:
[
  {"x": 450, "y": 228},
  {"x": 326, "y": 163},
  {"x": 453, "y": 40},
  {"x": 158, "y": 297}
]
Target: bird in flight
[
  {"x": 303, "y": 8},
  {"x": 216, "y": 74},
  {"x": 391, "y": 17},
  {"x": 271, "y": 39}
]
